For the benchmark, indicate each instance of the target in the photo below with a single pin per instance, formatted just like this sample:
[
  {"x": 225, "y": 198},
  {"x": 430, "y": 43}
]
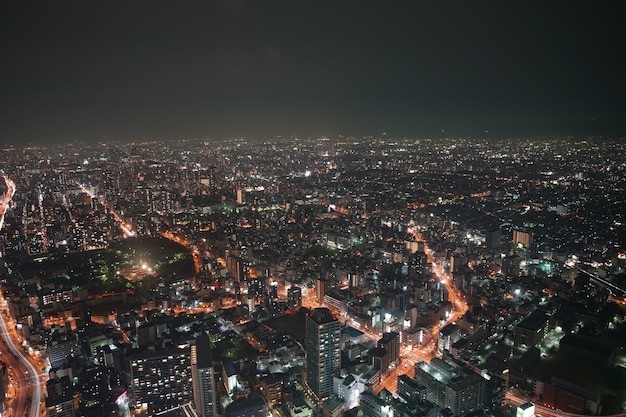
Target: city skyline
[
  {"x": 365, "y": 275},
  {"x": 150, "y": 71}
]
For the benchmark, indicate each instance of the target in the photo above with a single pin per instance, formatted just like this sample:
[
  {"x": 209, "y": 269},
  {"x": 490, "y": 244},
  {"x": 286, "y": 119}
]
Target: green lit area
[{"x": 133, "y": 263}]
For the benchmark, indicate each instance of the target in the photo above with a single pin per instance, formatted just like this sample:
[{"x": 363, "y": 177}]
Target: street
[{"x": 25, "y": 382}]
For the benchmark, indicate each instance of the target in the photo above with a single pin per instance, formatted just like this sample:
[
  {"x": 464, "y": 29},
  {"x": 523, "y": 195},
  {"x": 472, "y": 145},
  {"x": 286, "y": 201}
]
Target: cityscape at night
[
  {"x": 297, "y": 277},
  {"x": 330, "y": 208}
]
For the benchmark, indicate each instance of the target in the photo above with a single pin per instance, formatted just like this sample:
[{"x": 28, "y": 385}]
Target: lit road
[
  {"x": 127, "y": 229},
  {"x": 7, "y": 199},
  {"x": 25, "y": 382},
  {"x": 611, "y": 286},
  {"x": 26, "y": 378},
  {"x": 195, "y": 252},
  {"x": 409, "y": 357},
  {"x": 514, "y": 399}
]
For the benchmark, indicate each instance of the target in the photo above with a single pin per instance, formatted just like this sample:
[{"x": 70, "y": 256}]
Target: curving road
[{"x": 25, "y": 378}]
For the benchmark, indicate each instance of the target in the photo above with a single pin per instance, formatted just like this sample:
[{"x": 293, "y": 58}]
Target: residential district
[{"x": 289, "y": 277}]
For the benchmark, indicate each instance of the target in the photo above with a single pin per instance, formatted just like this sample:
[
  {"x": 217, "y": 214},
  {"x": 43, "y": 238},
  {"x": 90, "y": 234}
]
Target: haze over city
[
  {"x": 163, "y": 70},
  {"x": 237, "y": 208}
]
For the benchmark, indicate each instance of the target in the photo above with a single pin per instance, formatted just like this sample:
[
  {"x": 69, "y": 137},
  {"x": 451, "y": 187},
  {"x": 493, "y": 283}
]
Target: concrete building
[
  {"x": 323, "y": 355},
  {"x": 459, "y": 390},
  {"x": 60, "y": 405},
  {"x": 161, "y": 380},
  {"x": 203, "y": 377}
]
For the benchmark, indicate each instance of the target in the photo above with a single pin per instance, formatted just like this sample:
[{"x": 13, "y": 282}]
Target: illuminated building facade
[
  {"x": 203, "y": 377},
  {"x": 294, "y": 297},
  {"x": 449, "y": 387},
  {"x": 60, "y": 405},
  {"x": 323, "y": 355},
  {"x": 522, "y": 238},
  {"x": 162, "y": 380}
]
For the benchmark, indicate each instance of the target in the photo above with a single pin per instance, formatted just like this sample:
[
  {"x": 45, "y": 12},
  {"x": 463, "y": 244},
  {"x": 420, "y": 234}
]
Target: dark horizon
[{"x": 120, "y": 71}]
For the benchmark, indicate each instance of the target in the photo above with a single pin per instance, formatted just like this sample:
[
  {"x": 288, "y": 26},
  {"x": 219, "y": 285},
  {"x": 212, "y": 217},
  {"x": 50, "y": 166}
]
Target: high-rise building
[
  {"x": 323, "y": 355},
  {"x": 60, "y": 405},
  {"x": 63, "y": 346},
  {"x": 391, "y": 343},
  {"x": 492, "y": 238},
  {"x": 238, "y": 268},
  {"x": 239, "y": 192},
  {"x": 203, "y": 377},
  {"x": 161, "y": 380},
  {"x": 461, "y": 391},
  {"x": 294, "y": 297},
  {"x": 522, "y": 238},
  {"x": 321, "y": 288}
]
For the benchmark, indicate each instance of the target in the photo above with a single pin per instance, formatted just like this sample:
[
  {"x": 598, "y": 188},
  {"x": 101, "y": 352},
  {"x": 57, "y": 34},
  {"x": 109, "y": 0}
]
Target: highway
[{"x": 25, "y": 382}]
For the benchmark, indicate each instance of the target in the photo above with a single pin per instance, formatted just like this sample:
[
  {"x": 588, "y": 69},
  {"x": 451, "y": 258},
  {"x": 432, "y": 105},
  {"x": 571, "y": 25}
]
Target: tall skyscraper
[
  {"x": 323, "y": 355},
  {"x": 203, "y": 377}
]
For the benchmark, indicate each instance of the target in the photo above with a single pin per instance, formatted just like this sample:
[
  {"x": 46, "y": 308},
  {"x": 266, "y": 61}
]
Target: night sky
[{"x": 135, "y": 70}]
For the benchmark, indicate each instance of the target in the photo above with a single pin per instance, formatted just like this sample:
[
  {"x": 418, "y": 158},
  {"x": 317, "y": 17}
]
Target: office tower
[
  {"x": 60, "y": 405},
  {"x": 463, "y": 392},
  {"x": 238, "y": 268},
  {"x": 410, "y": 390},
  {"x": 62, "y": 347},
  {"x": 294, "y": 297},
  {"x": 532, "y": 329},
  {"x": 321, "y": 288},
  {"x": 272, "y": 387},
  {"x": 522, "y": 238},
  {"x": 323, "y": 356},
  {"x": 239, "y": 192},
  {"x": 161, "y": 380},
  {"x": 379, "y": 359},
  {"x": 466, "y": 394},
  {"x": 203, "y": 377},
  {"x": 492, "y": 239},
  {"x": 391, "y": 343},
  {"x": 95, "y": 387}
]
